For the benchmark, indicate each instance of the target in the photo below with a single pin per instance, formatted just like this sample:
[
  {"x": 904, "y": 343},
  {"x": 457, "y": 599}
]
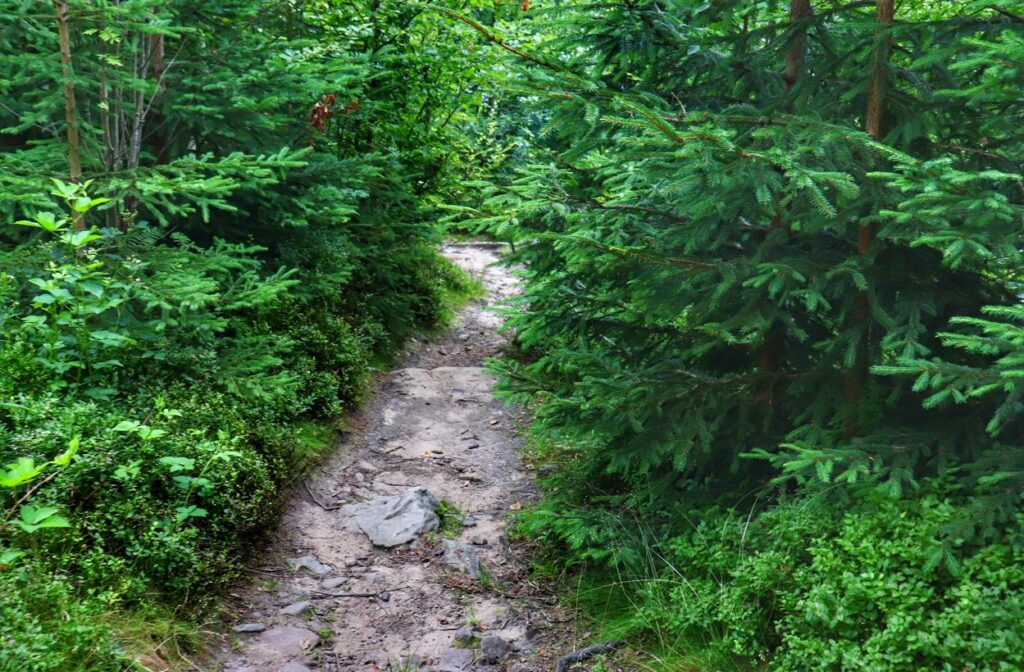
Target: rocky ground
[{"x": 363, "y": 573}]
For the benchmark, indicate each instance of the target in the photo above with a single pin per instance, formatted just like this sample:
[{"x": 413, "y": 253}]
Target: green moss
[{"x": 451, "y": 519}]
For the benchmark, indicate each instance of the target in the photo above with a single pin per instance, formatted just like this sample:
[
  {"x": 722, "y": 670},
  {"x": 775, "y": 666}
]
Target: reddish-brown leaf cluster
[
  {"x": 526, "y": 5},
  {"x": 322, "y": 111}
]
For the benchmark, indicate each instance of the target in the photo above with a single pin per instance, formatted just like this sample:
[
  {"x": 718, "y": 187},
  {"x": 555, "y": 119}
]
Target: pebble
[
  {"x": 477, "y": 540},
  {"x": 464, "y": 635},
  {"x": 297, "y": 608},
  {"x": 360, "y": 477},
  {"x": 366, "y": 466},
  {"x": 249, "y": 628},
  {"x": 461, "y": 557},
  {"x": 493, "y": 649}
]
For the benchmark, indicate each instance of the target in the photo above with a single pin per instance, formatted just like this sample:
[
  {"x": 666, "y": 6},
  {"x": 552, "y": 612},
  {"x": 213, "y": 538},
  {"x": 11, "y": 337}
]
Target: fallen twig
[
  {"x": 333, "y": 507},
  {"x": 565, "y": 662},
  {"x": 382, "y": 595}
]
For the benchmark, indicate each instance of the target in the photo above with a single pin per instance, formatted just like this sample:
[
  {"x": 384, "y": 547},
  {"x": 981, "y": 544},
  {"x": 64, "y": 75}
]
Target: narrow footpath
[{"x": 362, "y": 574}]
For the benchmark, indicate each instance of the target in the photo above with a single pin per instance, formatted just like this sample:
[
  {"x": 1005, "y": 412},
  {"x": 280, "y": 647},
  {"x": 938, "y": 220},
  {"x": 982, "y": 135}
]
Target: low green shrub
[
  {"x": 808, "y": 584},
  {"x": 47, "y": 623}
]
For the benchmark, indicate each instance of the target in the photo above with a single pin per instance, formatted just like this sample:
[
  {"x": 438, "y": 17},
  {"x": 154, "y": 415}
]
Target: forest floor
[{"x": 322, "y": 597}]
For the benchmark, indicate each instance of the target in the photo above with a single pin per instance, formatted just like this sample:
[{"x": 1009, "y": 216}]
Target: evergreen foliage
[
  {"x": 771, "y": 326},
  {"x": 772, "y": 249}
]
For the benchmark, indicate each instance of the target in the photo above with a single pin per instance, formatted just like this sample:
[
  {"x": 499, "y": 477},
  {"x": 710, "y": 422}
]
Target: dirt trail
[{"x": 325, "y": 598}]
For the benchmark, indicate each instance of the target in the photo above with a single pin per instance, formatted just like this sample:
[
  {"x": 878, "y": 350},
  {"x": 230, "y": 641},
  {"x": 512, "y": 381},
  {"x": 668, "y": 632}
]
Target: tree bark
[
  {"x": 875, "y": 124},
  {"x": 770, "y": 360},
  {"x": 70, "y": 115},
  {"x": 159, "y": 67},
  {"x": 799, "y": 12}
]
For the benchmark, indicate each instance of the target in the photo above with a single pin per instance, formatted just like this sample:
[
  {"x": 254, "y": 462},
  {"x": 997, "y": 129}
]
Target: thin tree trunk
[
  {"x": 770, "y": 360},
  {"x": 141, "y": 65},
  {"x": 877, "y": 94},
  {"x": 799, "y": 12},
  {"x": 159, "y": 67},
  {"x": 875, "y": 124},
  {"x": 70, "y": 116}
]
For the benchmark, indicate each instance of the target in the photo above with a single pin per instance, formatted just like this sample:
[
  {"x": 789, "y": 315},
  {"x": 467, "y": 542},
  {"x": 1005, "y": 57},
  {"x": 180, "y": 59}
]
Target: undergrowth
[{"x": 190, "y": 313}]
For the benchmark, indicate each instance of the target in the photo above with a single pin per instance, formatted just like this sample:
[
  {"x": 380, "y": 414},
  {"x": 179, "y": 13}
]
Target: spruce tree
[{"x": 741, "y": 216}]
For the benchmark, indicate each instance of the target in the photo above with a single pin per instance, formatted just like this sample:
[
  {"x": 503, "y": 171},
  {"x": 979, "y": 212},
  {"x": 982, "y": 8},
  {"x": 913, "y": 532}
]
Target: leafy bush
[
  {"x": 47, "y": 623},
  {"x": 196, "y": 303},
  {"x": 811, "y": 584}
]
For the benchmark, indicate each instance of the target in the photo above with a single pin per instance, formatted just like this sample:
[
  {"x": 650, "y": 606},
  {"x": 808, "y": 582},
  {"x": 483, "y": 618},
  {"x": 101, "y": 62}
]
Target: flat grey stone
[
  {"x": 294, "y": 667},
  {"x": 282, "y": 643},
  {"x": 393, "y": 521},
  {"x": 455, "y": 660},
  {"x": 311, "y": 565},
  {"x": 297, "y": 608},
  {"x": 461, "y": 557},
  {"x": 248, "y": 628},
  {"x": 493, "y": 649},
  {"x": 334, "y": 582}
]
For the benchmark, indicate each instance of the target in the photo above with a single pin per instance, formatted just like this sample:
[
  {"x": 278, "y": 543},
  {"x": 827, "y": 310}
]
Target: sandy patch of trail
[{"x": 325, "y": 598}]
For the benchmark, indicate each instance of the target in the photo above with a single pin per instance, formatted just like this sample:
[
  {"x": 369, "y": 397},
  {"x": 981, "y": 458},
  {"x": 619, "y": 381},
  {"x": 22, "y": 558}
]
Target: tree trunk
[
  {"x": 875, "y": 124},
  {"x": 158, "y": 67},
  {"x": 70, "y": 117},
  {"x": 799, "y": 12},
  {"x": 770, "y": 360}
]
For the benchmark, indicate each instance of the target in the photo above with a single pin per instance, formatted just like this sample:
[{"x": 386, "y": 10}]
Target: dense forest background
[
  {"x": 771, "y": 329},
  {"x": 219, "y": 217}
]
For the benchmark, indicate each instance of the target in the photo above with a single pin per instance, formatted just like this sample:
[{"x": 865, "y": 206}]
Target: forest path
[{"x": 326, "y": 599}]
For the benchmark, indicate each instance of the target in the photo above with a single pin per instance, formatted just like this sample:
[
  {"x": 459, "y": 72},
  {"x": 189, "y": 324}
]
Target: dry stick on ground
[
  {"x": 318, "y": 595},
  {"x": 565, "y": 662},
  {"x": 333, "y": 507}
]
